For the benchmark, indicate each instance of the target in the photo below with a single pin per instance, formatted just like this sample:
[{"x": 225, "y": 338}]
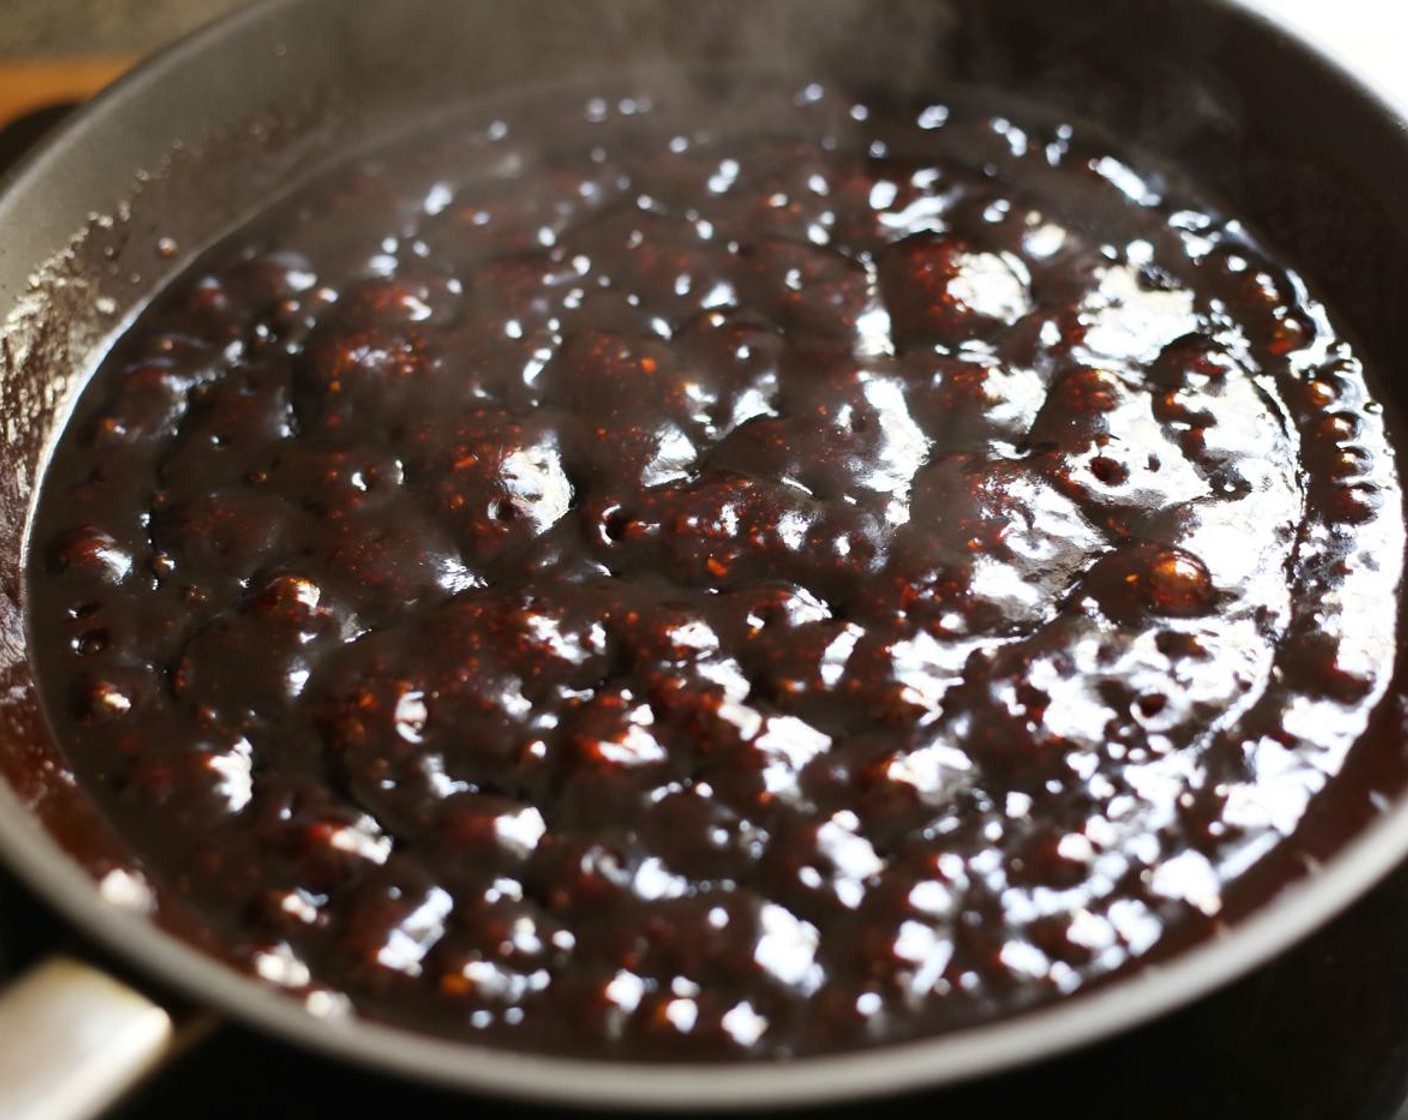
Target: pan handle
[{"x": 73, "y": 1040}]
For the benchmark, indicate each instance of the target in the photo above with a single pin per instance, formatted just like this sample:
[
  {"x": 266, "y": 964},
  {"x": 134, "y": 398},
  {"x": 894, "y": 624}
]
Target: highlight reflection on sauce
[{"x": 717, "y": 589}]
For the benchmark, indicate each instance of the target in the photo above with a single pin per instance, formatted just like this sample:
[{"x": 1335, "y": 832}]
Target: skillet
[{"x": 239, "y": 111}]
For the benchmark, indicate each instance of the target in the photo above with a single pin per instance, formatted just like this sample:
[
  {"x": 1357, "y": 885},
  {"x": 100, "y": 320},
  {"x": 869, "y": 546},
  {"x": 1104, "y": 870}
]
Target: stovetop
[{"x": 1319, "y": 1034}]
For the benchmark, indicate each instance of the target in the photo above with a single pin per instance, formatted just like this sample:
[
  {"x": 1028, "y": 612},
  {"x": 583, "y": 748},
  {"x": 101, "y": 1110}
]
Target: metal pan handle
[{"x": 73, "y": 1040}]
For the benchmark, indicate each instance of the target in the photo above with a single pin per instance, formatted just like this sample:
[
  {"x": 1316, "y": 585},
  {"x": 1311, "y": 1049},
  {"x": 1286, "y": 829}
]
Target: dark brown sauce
[{"x": 658, "y": 584}]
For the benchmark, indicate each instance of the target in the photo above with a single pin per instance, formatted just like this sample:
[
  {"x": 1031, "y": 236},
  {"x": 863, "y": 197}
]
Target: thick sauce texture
[{"x": 645, "y": 578}]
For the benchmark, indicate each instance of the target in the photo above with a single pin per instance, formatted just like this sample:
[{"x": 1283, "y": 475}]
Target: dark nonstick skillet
[{"x": 183, "y": 147}]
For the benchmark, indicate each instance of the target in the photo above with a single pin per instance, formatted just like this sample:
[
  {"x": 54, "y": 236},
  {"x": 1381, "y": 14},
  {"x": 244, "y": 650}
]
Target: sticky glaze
[{"x": 677, "y": 581}]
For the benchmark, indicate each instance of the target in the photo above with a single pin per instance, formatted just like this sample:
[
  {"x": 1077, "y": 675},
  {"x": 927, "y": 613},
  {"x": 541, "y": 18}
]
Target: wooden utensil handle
[{"x": 29, "y": 84}]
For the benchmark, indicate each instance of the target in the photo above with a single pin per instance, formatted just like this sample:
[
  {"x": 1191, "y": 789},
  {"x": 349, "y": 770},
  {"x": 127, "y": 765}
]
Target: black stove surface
[{"x": 1321, "y": 1033}]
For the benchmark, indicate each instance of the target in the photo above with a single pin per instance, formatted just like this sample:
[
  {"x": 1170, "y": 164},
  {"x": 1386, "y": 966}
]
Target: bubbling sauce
[{"x": 644, "y": 579}]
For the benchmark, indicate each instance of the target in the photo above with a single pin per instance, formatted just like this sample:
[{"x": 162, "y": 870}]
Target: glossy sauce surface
[{"x": 655, "y": 579}]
